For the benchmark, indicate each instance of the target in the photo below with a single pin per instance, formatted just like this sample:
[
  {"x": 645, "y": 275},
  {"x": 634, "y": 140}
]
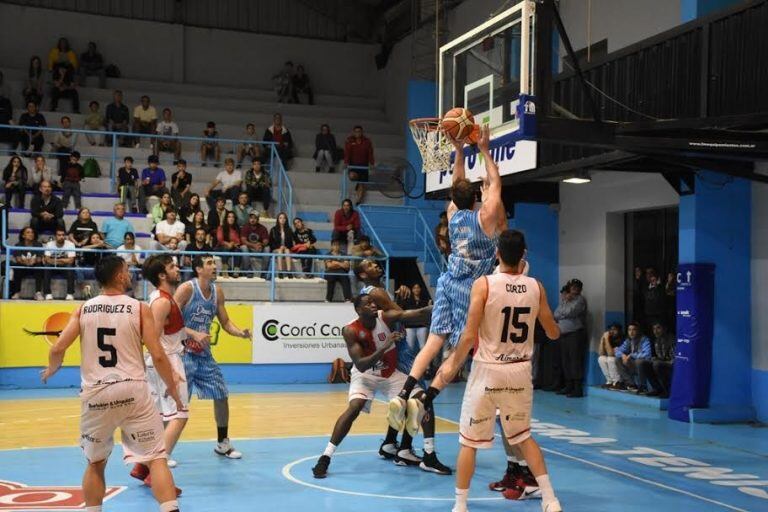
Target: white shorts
[
  {"x": 165, "y": 404},
  {"x": 506, "y": 387},
  {"x": 365, "y": 386},
  {"x": 126, "y": 405}
]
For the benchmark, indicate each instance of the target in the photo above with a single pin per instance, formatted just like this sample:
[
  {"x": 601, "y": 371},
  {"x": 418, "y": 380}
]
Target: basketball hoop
[{"x": 434, "y": 147}]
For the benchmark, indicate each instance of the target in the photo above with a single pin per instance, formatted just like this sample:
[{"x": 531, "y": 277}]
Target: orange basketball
[{"x": 458, "y": 123}]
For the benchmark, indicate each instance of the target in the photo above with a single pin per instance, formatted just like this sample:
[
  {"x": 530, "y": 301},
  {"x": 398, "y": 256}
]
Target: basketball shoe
[
  {"x": 407, "y": 458},
  {"x": 388, "y": 450},
  {"x": 431, "y": 464},
  {"x": 321, "y": 468},
  {"x": 140, "y": 472},
  {"x": 225, "y": 449}
]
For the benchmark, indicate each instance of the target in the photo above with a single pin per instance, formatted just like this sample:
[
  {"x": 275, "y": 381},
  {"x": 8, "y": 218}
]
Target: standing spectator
[
  {"x": 197, "y": 222},
  {"x": 152, "y": 182},
  {"x": 634, "y": 348},
  {"x": 8, "y": 136},
  {"x": 70, "y": 180},
  {"x": 337, "y": 271},
  {"x": 189, "y": 209},
  {"x": 258, "y": 186},
  {"x": 364, "y": 249},
  {"x": 92, "y": 64},
  {"x": 228, "y": 240},
  {"x": 134, "y": 260},
  {"x": 33, "y": 119},
  {"x": 283, "y": 81},
  {"x": 282, "y": 137},
  {"x": 254, "y": 237},
  {"x": 346, "y": 224},
  {"x": 82, "y": 228},
  {"x": 47, "y": 210},
  {"x": 61, "y": 56},
  {"x": 325, "y": 149},
  {"x": 242, "y": 209},
  {"x": 358, "y": 157},
  {"x": 94, "y": 120},
  {"x": 29, "y": 260},
  {"x": 41, "y": 173},
  {"x": 33, "y": 87},
  {"x": 144, "y": 119},
  {"x": 63, "y": 86},
  {"x": 128, "y": 183},
  {"x": 209, "y": 148},
  {"x": 281, "y": 241},
  {"x": 251, "y": 148},
  {"x": 118, "y": 118},
  {"x": 15, "y": 178},
  {"x": 227, "y": 184},
  {"x": 60, "y": 253},
  {"x": 657, "y": 371},
  {"x": 301, "y": 85},
  {"x": 64, "y": 143},
  {"x": 161, "y": 208},
  {"x": 654, "y": 300},
  {"x": 415, "y": 332},
  {"x": 216, "y": 215},
  {"x": 168, "y": 128},
  {"x": 609, "y": 342},
  {"x": 181, "y": 184},
  {"x": 305, "y": 241},
  {"x": 170, "y": 229},
  {"x": 441, "y": 235},
  {"x": 115, "y": 228},
  {"x": 570, "y": 315}
]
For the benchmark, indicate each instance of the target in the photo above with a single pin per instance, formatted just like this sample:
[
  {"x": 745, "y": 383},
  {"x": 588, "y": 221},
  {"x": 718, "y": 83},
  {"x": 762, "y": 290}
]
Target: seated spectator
[
  {"x": 128, "y": 183},
  {"x": 8, "y": 137},
  {"x": 33, "y": 87},
  {"x": 60, "y": 253},
  {"x": 283, "y": 81},
  {"x": 41, "y": 173},
  {"x": 63, "y": 86},
  {"x": 364, "y": 249},
  {"x": 216, "y": 215},
  {"x": 115, "y": 228},
  {"x": 358, "y": 157},
  {"x": 657, "y": 371},
  {"x": 61, "y": 56},
  {"x": 325, "y": 149},
  {"x": 161, "y": 208},
  {"x": 181, "y": 184},
  {"x": 281, "y": 241},
  {"x": 134, "y": 260},
  {"x": 82, "y": 228},
  {"x": 283, "y": 139},
  {"x": 31, "y": 137},
  {"x": 88, "y": 260},
  {"x": 441, "y": 235},
  {"x": 70, "y": 181},
  {"x": 199, "y": 243},
  {"x": 346, "y": 224},
  {"x": 609, "y": 342},
  {"x": 415, "y": 332},
  {"x": 258, "y": 186},
  {"x": 227, "y": 184},
  {"x": 144, "y": 119},
  {"x": 228, "y": 240},
  {"x": 15, "y": 178},
  {"x": 337, "y": 271},
  {"x": 47, "y": 210},
  {"x": 64, "y": 143},
  {"x": 94, "y": 120},
  {"x": 301, "y": 85},
  {"x": 168, "y": 128},
  {"x": 209, "y": 148},
  {"x": 189, "y": 209},
  {"x": 197, "y": 222},
  {"x": 304, "y": 243},
  {"x": 28, "y": 260},
  {"x": 118, "y": 118},
  {"x": 254, "y": 237},
  {"x": 92, "y": 64},
  {"x": 170, "y": 229},
  {"x": 242, "y": 209},
  {"x": 570, "y": 315},
  {"x": 634, "y": 348},
  {"x": 251, "y": 148},
  {"x": 152, "y": 182}
]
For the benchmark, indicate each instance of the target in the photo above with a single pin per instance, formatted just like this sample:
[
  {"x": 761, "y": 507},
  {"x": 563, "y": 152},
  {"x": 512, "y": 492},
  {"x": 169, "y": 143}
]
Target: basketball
[{"x": 459, "y": 124}]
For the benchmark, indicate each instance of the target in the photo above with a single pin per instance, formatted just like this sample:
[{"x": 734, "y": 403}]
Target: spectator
[
  {"x": 358, "y": 157},
  {"x": 364, "y": 249},
  {"x": 64, "y": 143},
  {"x": 33, "y": 119},
  {"x": 161, "y": 208},
  {"x": 8, "y": 136},
  {"x": 15, "y": 178},
  {"x": 28, "y": 260},
  {"x": 282, "y": 138},
  {"x": 654, "y": 300},
  {"x": 609, "y": 342},
  {"x": 181, "y": 184},
  {"x": 63, "y": 86},
  {"x": 283, "y": 81},
  {"x": 242, "y": 209},
  {"x": 228, "y": 240},
  {"x": 197, "y": 222},
  {"x": 61, "y": 56},
  {"x": 657, "y": 371},
  {"x": 170, "y": 229},
  {"x": 33, "y": 87},
  {"x": 281, "y": 241},
  {"x": 92, "y": 64},
  {"x": 227, "y": 184},
  {"x": 346, "y": 224},
  {"x": 189, "y": 209},
  {"x": 199, "y": 244},
  {"x": 441, "y": 235},
  {"x": 134, "y": 260},
  {"x": 216, "y": 215},
  {"x": 144, "y": 119},
  {"x": 634, "y": 348},
  {"x": 118, "y": 117},
  {"x": 115, "y": 228},
  {"x": 82, "y": 228},
  {"x": 336, "y": 271},
  {"x": 254, "y": 237},
  {"x": 570, "y": 315},
  {"x": 88, "y": 260},
  {"x": 258, "y": 186},
  {"x": 325, "y": 149},
  {"x": 168, "y": 128},
  {"x": 251, "y": 148},
  {"x": 70, "y": 180},
  {"x": 301, "y": 85},
  {"x": 94, "y": 120},
  {"x": 415, "y": 332},
  {"x": 638, "y": 292},
  {"x": 304, "y": 244},
  {"x": 47, "y": 210},
  {"x": 60, "y": 253},
  {"x": 152, "y": 182},
  {"x": 41, "y": 173},
  {"x": 209, "y": 148},
  {"x": 128, "y": 183}
]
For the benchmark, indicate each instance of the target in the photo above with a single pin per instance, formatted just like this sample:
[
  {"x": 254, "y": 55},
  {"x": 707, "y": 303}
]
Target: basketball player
[
  {"x": 502, "y": 317},
  {"x": 371, "y": 345},
  {"x": 200, "y": 300},
  {"x": 163, "y": 273},
  {"x": 114, "y": 391}
]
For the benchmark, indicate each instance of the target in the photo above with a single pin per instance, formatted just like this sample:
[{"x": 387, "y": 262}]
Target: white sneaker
[
  {"x": 172, "y": 463},
  {"x": 38, "y": 296},
  {"x": 414, "y": 415},
  {"x": 69, "y": 297},
  {"x": 551, "y": 506},
  {"x": 49, "y": 297},
  {"x": 16, "y": 296},
  {"x": 225, "y": 449},
  {"x": 396, "y": 413}
]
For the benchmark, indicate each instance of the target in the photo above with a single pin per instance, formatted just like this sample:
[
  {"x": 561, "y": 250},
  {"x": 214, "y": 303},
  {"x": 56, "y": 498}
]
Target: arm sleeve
[
  {"x": 622, "y": 349},
  {"x": 338, "y": 223},
  {"x": 645, "y": 350}
]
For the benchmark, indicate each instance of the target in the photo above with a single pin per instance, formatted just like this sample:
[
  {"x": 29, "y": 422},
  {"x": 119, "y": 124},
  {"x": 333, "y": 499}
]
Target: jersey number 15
[{"x": 517, "y": 322}]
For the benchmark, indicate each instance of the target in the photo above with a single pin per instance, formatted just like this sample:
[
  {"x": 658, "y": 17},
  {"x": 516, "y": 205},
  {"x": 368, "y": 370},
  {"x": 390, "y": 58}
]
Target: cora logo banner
[{"x": 16, "y": 496}]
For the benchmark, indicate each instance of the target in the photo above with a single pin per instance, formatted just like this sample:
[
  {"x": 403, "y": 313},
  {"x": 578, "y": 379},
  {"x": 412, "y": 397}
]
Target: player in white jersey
[{"x": 114, "y": 391}]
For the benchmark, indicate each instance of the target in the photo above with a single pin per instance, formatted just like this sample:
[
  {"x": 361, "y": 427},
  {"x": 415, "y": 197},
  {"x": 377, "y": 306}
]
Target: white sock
[
  {"x": 169, "y": 506},
  {"x": 94, "y": 508},
  {"x": 461, "y": 497},
  {"x": 329, "y": 449},
  {"x": 547, "y": 493},
  {"x": 511, "y": 458},
  {"x": 429, "y": 444},
  {"x": 521, "y": 462}
]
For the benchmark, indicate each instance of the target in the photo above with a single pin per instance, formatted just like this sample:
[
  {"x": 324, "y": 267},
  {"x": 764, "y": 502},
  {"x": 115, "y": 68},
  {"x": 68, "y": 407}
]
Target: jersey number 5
[
  {"x": 110, "y": 360},
  {"x": 517, "y": 323}
]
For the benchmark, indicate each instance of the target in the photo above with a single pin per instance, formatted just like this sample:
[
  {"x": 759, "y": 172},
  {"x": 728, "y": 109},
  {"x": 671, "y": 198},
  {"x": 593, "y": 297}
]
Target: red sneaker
[
  {"x": 148, "y": 483},
  {"x": 509, "y": 481},
  {"x": 530, "y": 487},
  {"x": 140, "y": 472},
  {"x": 513, "y": 493}
]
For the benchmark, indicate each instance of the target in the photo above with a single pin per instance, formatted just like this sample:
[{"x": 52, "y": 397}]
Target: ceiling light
[{"x": 578, "y": 179}]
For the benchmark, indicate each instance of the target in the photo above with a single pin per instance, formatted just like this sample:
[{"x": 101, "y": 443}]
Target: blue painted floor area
[{"x": 602, "y": 455}]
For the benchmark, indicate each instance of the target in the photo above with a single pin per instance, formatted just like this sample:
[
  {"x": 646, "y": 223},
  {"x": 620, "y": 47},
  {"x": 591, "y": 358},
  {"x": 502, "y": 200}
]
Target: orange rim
[{"x": 430, "y": 123}]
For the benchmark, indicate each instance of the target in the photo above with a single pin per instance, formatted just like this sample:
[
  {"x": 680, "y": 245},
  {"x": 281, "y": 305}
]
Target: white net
[{"x": 435, "y": 149}]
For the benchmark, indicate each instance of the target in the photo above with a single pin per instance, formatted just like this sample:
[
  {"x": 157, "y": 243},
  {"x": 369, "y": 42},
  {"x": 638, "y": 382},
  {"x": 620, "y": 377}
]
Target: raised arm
[
  {"x": 383, "y": 300},
  {"x": 492, "y": 213},
  {"x": 361, "y": 362},
  {"x": 411, "y": 315},
  {"x": 459, "y": 171},
  {"x": 545, "y": 316}
]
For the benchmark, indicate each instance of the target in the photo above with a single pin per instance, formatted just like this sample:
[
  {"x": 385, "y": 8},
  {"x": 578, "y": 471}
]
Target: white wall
[{"x": 759, "y": 275}]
